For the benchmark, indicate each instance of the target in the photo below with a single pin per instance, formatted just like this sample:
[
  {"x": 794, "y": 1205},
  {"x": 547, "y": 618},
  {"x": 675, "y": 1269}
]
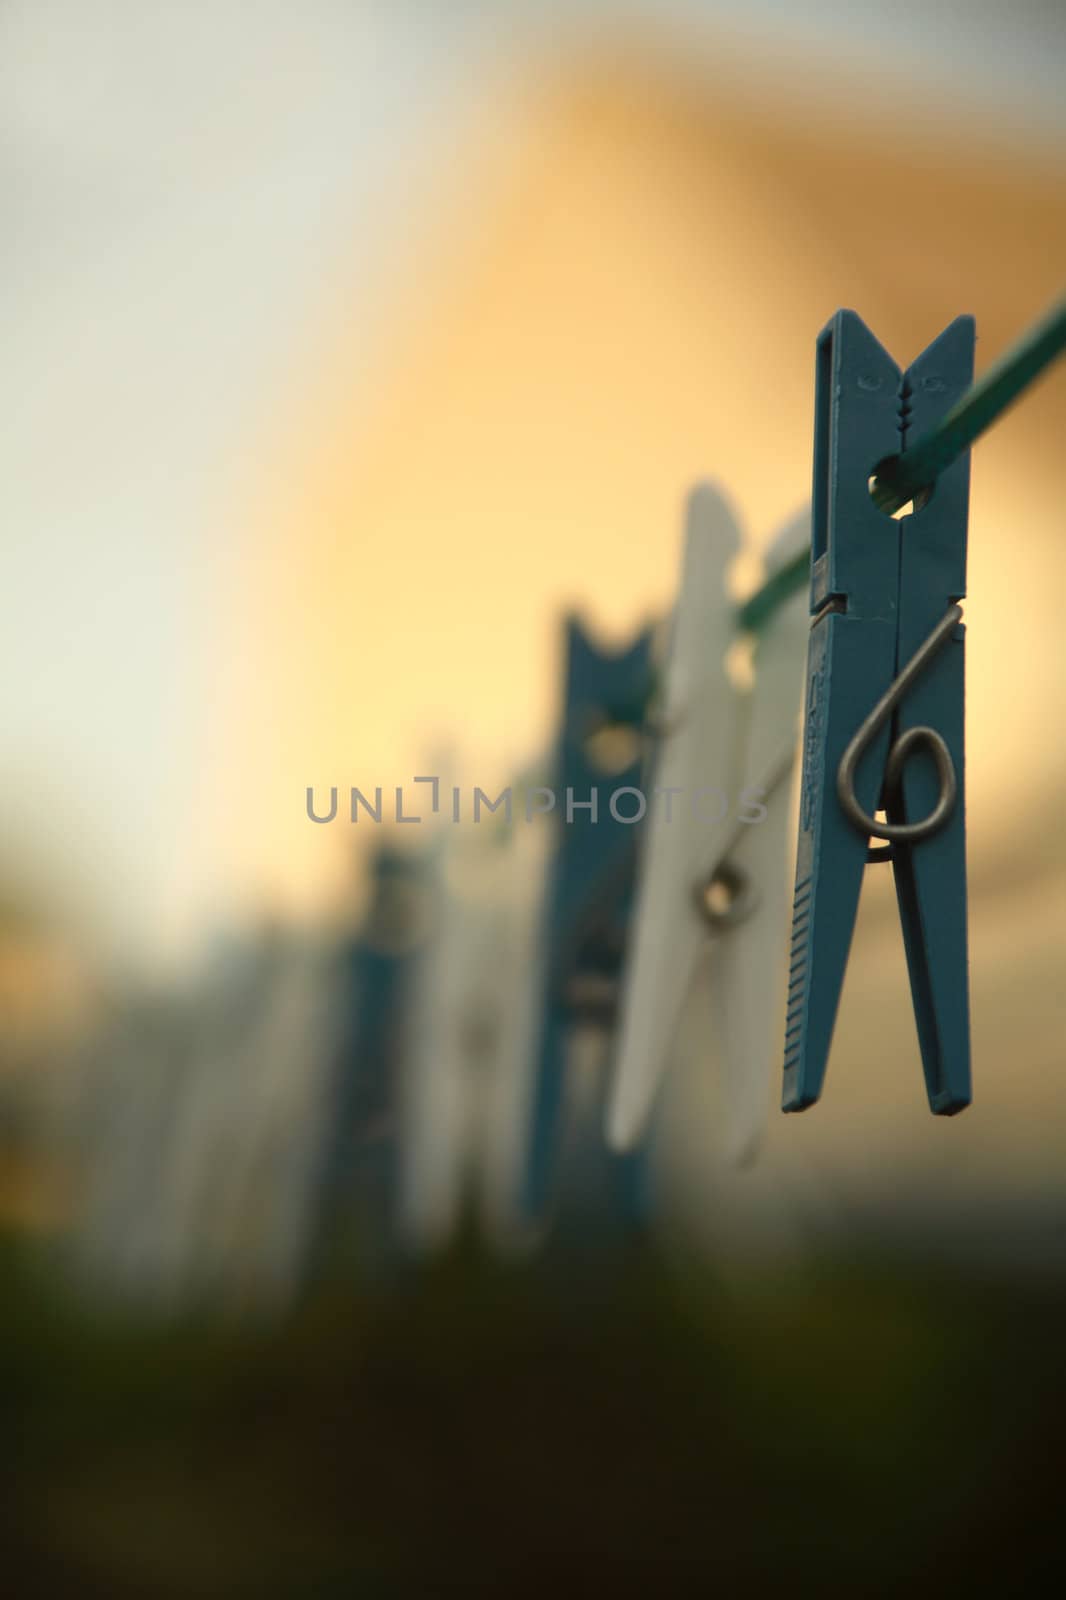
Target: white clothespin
[
  {"x": 199, "y": 1186},
  {"x": 714, "y": 865},
  {"x": 463, "y": 1042},
  {"x": 516, "y": 974}
]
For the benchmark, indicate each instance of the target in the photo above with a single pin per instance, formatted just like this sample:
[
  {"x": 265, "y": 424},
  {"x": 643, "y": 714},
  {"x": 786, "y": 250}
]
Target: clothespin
[
  {"x": 466, "y": 977},
  {"x": 883, "y": 703},
  {"x": 209, "y": 1100},
  {"x": 514, "y": 969},
  {"x": 714, "y": 867},
  {"x": 357, "y": 1163},
  {"x": 590, "y": 886}
]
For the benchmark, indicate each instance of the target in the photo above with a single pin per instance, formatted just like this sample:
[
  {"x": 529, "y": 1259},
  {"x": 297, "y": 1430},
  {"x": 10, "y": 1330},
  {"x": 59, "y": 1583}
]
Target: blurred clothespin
[
  {"x": 884, "y": 703},
  {"x": 356, "y": 1176},
  {"x": 714, "y": 864},
  {"x": 466, "y": 979},
  {"x": 596, "y": 809}
]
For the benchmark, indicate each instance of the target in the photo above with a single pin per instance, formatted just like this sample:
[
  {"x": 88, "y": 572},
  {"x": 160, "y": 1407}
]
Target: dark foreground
[{"x": 576, "y": 1426}]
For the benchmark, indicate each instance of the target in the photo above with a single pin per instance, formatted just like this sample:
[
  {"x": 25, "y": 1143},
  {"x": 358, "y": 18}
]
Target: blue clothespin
[
  {"x": 589, "y": 892},
  {"x": 357, "y": 1165},
  {"x": 884, "y": 705}
]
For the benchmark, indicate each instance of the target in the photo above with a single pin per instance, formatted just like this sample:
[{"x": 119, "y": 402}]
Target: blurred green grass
[{"x": 581, "y": 1423}]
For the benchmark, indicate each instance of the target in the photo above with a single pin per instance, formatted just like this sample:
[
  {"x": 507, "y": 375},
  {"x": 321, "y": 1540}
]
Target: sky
[{"x": 196, "y": 207}]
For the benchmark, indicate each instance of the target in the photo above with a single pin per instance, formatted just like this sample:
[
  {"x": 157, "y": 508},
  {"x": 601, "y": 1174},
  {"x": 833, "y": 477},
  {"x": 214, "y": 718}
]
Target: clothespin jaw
[
  {"x": 590, "y": 878},
  {"x": 880, "y": 591},
  {"x": 854, "y": 554}
]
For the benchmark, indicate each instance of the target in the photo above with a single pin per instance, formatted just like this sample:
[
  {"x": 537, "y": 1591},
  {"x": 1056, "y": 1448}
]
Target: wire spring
[{"x": 902, "y": 748}]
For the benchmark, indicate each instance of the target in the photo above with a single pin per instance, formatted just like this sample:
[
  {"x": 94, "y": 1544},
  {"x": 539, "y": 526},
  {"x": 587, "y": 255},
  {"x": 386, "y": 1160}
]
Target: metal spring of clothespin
[{"x": 899, "y": 751}]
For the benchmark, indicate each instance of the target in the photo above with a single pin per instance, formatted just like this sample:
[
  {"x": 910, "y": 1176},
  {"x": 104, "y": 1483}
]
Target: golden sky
[{"x": 618, "y": 295}]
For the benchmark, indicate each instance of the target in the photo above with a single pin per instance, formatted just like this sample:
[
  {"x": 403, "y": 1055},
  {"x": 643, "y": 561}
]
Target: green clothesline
[{"x": 919, "y": 465}]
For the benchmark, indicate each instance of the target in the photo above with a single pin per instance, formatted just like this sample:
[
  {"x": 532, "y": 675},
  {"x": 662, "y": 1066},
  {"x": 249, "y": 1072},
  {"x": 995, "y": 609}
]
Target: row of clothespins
[
  {"x": 735, "y": 868},
  {"x": 503, "y": 1021},
  {"x": 678, "y": 867}
]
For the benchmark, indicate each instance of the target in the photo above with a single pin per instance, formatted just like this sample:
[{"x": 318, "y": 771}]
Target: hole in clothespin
[
  {"x": 740, "y": 663},
  {"x": 718, "y": 897},
  {"x": 727, "y": 897},
  {"x": 611, "y": 747},
  {"x": 881, "y": 479}
]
